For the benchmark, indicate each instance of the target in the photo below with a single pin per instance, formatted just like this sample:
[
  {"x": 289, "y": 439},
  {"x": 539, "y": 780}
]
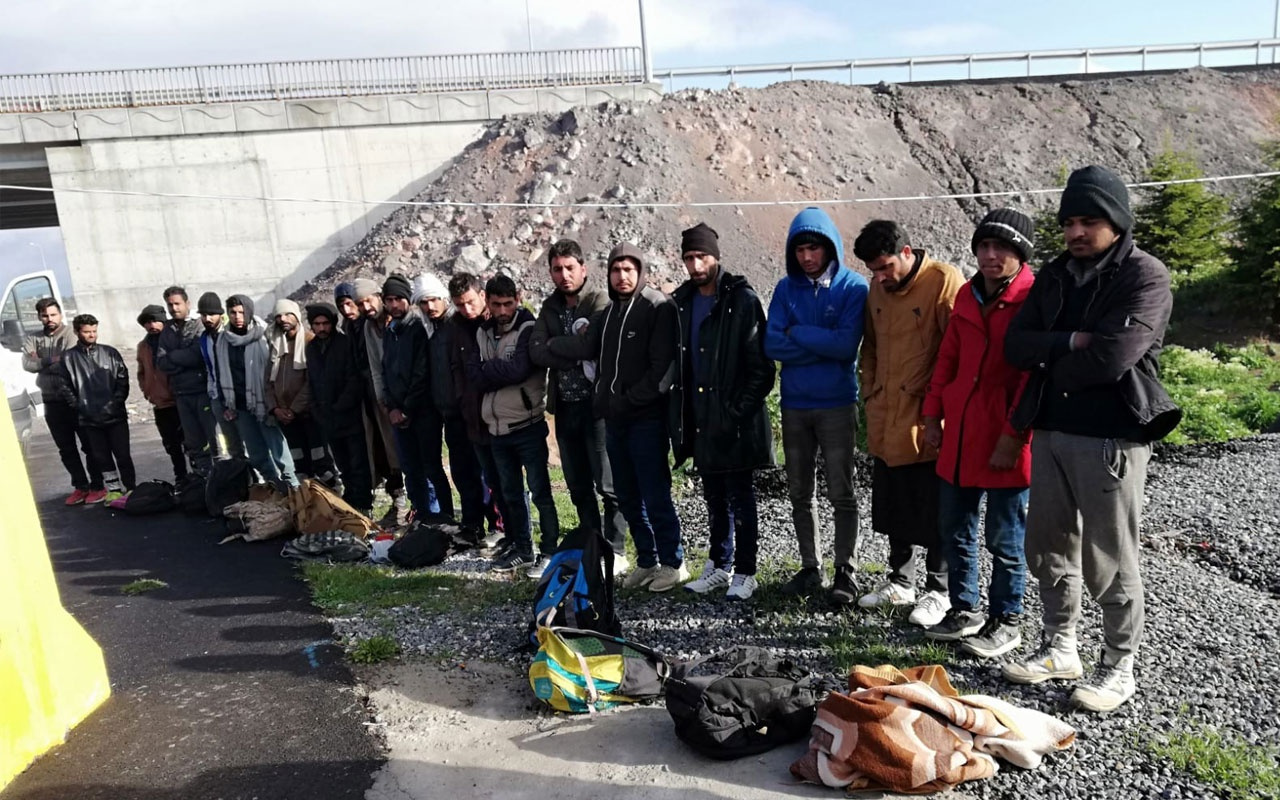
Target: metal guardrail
[
  {"x": 1087, "y": 58},
  {"x": 300, "y": 80}
]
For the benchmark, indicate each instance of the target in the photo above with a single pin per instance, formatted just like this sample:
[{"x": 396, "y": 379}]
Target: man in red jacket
[{"x": 974, "y": 390}]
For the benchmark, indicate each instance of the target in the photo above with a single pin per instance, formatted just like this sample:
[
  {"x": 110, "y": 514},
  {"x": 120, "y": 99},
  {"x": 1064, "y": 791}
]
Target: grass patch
[
  {"x": 143, "y": 586},
  {"x": 853, "y": 644},
  {"x": 374, "y": 649},
  {"x": 1224, "y": 393},
  {"x": 1241, "y": 771},
  {"x": 363, "y": 587}
]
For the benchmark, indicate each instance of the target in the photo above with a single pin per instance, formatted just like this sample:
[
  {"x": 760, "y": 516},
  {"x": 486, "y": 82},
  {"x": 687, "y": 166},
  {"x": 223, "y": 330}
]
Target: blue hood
[{"x": 813, "y": 220}]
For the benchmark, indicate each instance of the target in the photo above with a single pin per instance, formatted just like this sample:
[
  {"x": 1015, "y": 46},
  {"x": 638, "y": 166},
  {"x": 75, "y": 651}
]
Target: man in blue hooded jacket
[{"x": 814, "y": 329}]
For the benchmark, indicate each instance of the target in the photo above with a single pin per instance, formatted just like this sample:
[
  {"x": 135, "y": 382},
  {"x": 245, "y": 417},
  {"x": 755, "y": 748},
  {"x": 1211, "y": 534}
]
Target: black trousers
[
  {"x": 169, "y": 423},
  {"x": 587, "y": 473},
  {"x": 64, "y": 424},
  {"x": 306, "y": 444},
  {"x": 109, "y": 452},
  {"x": 352, "y": 458}
]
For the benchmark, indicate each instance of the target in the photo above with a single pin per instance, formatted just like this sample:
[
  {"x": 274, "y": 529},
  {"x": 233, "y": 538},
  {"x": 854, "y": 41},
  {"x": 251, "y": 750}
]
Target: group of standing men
[{"x": 953, "y": 375}]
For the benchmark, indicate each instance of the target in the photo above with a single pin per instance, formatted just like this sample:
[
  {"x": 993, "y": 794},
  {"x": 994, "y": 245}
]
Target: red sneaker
[
  {"x": 95, "y": 496},
  {"x": 77, "y": 497}
]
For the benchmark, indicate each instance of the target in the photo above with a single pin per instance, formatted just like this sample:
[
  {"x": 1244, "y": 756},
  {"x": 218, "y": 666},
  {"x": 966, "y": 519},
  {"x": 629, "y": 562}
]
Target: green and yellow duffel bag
[{"x": 582, "y": 671}]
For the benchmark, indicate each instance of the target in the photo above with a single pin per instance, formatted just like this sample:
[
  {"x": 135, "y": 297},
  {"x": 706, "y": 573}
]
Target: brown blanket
[{"x": 911, "y": 732}]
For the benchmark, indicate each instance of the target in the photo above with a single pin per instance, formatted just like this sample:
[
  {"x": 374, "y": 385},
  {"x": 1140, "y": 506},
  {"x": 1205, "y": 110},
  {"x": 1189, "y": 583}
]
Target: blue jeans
[
  {"x": 1006, "y": 525},
  {"x": 642, "y": 480},
  {"x": 731, "y": 505},
  {"x": 412, "y": 448},
  {"x": 519, "y": 456},
  {"x": 266, "y": 447}
]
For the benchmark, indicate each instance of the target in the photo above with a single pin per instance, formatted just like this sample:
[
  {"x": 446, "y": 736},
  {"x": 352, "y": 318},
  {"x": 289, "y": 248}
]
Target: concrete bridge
[{"x": 373, "y": 129}]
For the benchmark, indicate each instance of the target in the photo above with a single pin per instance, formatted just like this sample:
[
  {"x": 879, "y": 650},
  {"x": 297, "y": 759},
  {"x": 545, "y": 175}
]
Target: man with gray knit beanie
[{"x": 1090, "y": 334}]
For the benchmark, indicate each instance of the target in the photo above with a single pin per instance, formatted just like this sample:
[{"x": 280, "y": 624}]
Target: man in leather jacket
[{"x": 96, "y": 382}]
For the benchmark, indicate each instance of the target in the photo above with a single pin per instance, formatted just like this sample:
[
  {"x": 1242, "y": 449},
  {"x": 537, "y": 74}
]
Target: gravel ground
[{"x": 1212, "y": 570}]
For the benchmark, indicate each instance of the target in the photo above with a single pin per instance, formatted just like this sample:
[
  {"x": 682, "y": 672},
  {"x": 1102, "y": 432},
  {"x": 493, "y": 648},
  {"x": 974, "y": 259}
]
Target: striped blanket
[{"x": 911, "y": 732}]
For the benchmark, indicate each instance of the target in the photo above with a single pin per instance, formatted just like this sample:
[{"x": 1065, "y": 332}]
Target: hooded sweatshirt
[
  {"x": 288, "y": 386},
  {"x": 815, "y": 325},
  {"x": 243, "y": 359}
]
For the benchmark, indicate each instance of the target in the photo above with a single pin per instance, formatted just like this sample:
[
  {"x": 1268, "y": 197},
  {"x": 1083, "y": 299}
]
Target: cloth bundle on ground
[
  {"x": 316, "y": 510},
  {"x": 255, "y": 520},
  {"x": 743, "y": 701},
  {"x": 330, "y": 546},
  {"x": 429, "y": 541},
  {"x": 910, "y": 732},
  {"x": 587, "y": 671},
  {"x": 576, "y": 589}
]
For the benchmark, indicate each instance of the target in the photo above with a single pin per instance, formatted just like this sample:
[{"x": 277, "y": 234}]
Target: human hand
[
  {"x": 1005, "y": 455},
  {"x": 229, "y": 414},
  {"x": 933, "y": 432},
  {"x": 1080, "y": 340},
  {"x": 398, "y": 418}
]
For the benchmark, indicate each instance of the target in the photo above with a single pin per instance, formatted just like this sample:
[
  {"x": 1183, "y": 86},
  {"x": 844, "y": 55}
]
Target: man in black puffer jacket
[
  {"x": 96, "y": 383},
  {"x": 179, "y": 356},
  {"x": 634, "y": 341},
  {"x": 718, "y": 416}
]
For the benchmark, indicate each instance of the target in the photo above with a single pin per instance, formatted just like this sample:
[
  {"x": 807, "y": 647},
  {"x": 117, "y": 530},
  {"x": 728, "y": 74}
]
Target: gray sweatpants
[
  {"x": 834, "y": 431},
  {"x": 1082, "y": 527}
]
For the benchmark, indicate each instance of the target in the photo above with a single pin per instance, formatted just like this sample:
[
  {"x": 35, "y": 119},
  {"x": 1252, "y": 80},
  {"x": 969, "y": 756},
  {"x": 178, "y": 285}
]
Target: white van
[{"x": 17, "y": 321}]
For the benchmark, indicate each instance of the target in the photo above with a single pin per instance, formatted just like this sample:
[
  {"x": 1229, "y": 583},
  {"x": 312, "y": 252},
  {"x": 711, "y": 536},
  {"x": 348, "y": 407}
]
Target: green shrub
[
  {"x": 1185, "y": 225},
  {"x": 1232, "y": 766},
  {"x": 1224, "y": 393},
  {"x": 1257, "y": 250},
  {"x": 374, "y": 649}
]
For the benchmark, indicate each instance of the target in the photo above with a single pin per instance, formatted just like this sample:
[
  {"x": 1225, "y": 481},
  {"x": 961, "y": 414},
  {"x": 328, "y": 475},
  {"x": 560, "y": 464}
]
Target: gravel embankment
[{"x": 1212, "y": 571}]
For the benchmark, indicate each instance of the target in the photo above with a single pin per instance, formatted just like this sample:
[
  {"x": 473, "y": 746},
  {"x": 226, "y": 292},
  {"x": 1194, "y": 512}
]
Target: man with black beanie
[
  {"x": 213, "y": 318},
  {"x": 337, "y": 403},
  {"x": 1090, "y": 333},
  {"x": 155, "y": 388}
]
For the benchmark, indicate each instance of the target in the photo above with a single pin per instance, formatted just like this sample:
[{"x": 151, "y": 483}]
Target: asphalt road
[{"x": 224, "y": 685}]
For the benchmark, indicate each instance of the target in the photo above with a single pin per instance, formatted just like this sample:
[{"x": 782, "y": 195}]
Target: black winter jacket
[
  {"x": 405, "y": 378},
  {"x": 439, "y": 352},
  {"x": 465, "y": 349},
  {"x": 178, "y": 356},
  {"x": 337, "y": 389},
  {"x": 1127, "y": 315},
  {"x": 591, "y": 301},
  {"x": 719, "y": 418},
  {"x": 95, "y": 383}
]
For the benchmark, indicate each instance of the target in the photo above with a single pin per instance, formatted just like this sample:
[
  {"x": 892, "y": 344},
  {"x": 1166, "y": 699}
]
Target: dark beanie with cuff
[
  {"x": 1095, "y": 191},
  {"x": 701, "y": 238},
  {"x": 152, "y": 313},
  {"x": 344, "y": 289},
  {"x": 397, "y": 286},
  {"x": 209, "y": 303},
  {"x": 316, "y": 310},
  {"x": 1011, "y": 227}
]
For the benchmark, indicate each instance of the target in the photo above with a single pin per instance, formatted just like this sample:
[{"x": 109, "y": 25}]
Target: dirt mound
[{"x": 802, "y": 141}]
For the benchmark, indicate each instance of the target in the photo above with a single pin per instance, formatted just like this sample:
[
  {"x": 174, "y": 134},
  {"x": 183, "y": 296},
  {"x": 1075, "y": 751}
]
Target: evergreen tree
[
  {"x": 1048, "y": 231},
  {"x": 1185, "y": 225},
  {"x": 1257, "y": 251}
]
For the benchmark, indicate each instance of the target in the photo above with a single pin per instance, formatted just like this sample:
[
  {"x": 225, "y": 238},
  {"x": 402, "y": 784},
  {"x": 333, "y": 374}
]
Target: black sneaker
[
  {"x": 956, "y": 625},
  {"x": 495, "y": 548},
  {"x": 844, "y": 591},
  {"x": 511, "y": 562},
  {"x": 803, "y": 583},
  {"x": 997, "y": 637}
]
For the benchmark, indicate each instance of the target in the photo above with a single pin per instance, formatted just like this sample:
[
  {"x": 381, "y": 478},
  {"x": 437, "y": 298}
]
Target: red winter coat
[{"x": 974, "y": 390}]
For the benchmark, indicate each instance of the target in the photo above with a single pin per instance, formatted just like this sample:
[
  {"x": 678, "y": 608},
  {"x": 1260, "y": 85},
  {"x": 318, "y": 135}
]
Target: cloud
[
  {"x": 946, "y": 35},
  {"x": 68, "y": 35}
]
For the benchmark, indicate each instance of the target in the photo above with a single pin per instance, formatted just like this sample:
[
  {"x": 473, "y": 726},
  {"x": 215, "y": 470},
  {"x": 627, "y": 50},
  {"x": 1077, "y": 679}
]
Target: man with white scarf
[
  {"x": 244, "y": 359},
  {"x": 289, "y": 394}
]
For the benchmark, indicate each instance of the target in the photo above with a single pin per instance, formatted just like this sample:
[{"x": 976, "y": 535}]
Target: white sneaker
[
  {"x": 1056, "y": 659},
  {"x": 538, "y": 567},
  {"x": 640, "y": 576},
  {"x": 888, "y": 594},
  {"x": 621, "y": 566},
  {"x": 1108, "y": 688},
  {"x": 668, "y": 578},
  {"x": 930, "y": 610},
  {"x": 742, "y": 587},
  {"x": 712, "y": 578}
]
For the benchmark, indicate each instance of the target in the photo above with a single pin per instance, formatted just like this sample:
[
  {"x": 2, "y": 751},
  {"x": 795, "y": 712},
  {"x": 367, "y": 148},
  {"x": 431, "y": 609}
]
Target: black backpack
[
  {"x": 228, "y": 483},
  {"x": 191, "y": 495},
  {"x": 428, "y": 542},
  {"x": 756, "y": 704},
  {"x": 152, "y": 497},
  {"x": 576, "y": 590}
]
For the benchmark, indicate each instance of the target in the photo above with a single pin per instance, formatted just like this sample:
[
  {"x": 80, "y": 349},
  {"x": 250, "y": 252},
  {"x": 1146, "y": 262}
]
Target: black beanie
[
  {"x": 1011, "y": 227},
  {"x": 152, "y": 313},
  {"x": 397, "y": 286},
  {"x": 700, "y": 238},
  {"x": 209, "y": 304},
  {"x": 1095, "y": 191},
  {"x": 322, "y": 310}
]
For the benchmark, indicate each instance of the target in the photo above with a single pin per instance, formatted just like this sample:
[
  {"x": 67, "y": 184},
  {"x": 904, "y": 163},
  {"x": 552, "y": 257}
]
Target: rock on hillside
[{"x": 801, "y": 141}]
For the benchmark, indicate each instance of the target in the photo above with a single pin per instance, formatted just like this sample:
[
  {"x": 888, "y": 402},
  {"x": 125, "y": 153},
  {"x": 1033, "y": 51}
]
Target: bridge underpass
[{"x": 26, "y": 165}]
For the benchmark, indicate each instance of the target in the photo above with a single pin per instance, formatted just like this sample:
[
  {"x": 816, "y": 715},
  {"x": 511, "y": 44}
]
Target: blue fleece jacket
[{"x": 815, "y": 327}]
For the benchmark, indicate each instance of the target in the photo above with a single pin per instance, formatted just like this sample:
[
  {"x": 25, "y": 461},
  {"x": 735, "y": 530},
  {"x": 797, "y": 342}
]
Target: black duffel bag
[
  {"x": 151, "y": 497},
  {"x": 428, "y": 542},
  {"x": 753, "y": 704}
]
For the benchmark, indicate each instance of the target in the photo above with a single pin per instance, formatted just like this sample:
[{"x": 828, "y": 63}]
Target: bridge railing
[
  {"x": 1139, "y": 58},
  {"x": 300, "y": 80}
]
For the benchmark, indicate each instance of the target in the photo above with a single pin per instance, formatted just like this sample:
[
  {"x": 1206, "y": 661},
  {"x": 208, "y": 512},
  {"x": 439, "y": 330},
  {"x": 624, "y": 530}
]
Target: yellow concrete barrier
[{"x": 52, "y": 674}]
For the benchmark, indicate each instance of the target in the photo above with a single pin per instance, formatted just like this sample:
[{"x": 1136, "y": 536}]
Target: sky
[{"x": 39, "y": 36}]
